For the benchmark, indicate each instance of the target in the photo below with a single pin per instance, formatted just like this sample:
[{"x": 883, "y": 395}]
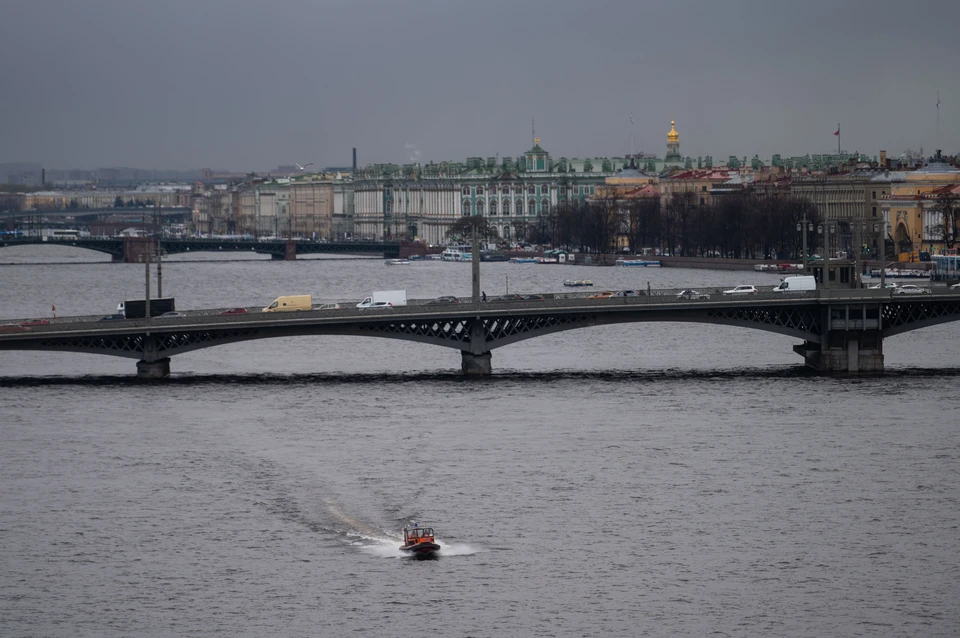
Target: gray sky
[{"x": 250, "y": 84}]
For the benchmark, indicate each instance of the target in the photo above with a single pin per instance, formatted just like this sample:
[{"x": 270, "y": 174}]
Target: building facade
[{"x": 910, "y": 210}]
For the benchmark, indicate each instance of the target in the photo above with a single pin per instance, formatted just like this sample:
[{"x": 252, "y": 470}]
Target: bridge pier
[
  {"x": 476, "y": 365},
  {"x": 159, "y": 369},
  {"x": 844, "y": 353}
]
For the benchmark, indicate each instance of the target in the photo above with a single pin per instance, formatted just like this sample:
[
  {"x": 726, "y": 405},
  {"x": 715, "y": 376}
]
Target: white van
[{"x": 797, "y": 284}]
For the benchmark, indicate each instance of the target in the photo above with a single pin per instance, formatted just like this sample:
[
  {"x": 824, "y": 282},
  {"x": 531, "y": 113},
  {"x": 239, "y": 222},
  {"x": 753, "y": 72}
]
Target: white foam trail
[{"x": 390, "y": 547}]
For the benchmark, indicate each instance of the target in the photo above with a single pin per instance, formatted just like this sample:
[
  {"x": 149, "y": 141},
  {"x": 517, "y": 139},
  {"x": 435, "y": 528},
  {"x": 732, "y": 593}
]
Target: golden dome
[{"x": 673, "y": 136}]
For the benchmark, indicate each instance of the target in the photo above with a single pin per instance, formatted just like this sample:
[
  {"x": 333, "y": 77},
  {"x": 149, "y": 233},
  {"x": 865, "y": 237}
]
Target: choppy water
[{"x": 658, "y": 479}]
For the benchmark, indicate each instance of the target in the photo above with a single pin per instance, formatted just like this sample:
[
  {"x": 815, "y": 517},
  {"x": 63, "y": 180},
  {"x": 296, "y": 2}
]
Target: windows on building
[
  {"x": 466, "y": 190},
  {"x": 544, "y": 205},
  {"x": 466, "y": 208},
  {"x": 479, "y": 190},
  {"x": 519, "y": 207},
  {"x": 563, "y": 191},
  {"x": 506, "y": 207},
  {"x": 531, "y": 207},
  {"x": 531, "y": 190},
  {"x": 480, "y": 207},
  {"x": 493, "y": 207}
]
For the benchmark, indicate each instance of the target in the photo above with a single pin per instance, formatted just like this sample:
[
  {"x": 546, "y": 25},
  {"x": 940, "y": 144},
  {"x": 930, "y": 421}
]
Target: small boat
[
  {"x": 575, "y": 283},
  {"x": 397, "y": 262},
  {"x": 523, "y": 260},
  {"x": 419, "y": 541}
]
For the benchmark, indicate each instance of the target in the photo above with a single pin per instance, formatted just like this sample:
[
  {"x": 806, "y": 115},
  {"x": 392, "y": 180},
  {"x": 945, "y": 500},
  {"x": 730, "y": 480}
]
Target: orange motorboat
[{"x": 419, "y": 541}]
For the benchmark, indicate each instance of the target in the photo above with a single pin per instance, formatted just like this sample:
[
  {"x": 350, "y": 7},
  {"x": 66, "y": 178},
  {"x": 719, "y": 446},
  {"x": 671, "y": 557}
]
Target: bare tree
[{"x": 946, "y": 227}]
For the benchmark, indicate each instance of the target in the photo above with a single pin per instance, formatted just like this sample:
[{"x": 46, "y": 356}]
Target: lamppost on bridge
[
  {"x": 825, "y": 229},
  {"x": 804, "y": 227},
  {"x": 882, "y": 228},
  {"x": 859, "y": 226}
]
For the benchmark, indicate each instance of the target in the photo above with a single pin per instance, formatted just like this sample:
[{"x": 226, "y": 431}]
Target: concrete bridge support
[
  {"x": 289, "y": 252},
  {"x": 476, "y": 365},
  {"x": 476, "y": 362},
  {"x": 850, "y": 342},
  {"x": 846, "y": 352},
  {"x": 135, "y": 249},
  {"x": 159, "y": 369},
  {"x": 850, "y": 358}
]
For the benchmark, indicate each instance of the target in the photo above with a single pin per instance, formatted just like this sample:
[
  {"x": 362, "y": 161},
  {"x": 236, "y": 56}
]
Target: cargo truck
[
  {"x": 137, "y": 308},
  {"x": 385, "y": 299},
  {"x": 291, "y": 303}
]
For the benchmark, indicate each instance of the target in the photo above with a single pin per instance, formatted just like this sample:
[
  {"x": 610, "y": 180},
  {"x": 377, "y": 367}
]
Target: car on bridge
[
  {"x": 34, "y": 322},
  {"x": 602, "y": 295},
  {"x": 328, "y": 306},
  {"x": 518, "y": 297},
  {"x": 114, "y": 317},
  {"x": 691, "y": 294},
  {"x": 173, "y": 314},
  {"x": 627, "y": 293},
  {"x": 909, "y": 289},
  {"x": 741, "y": 290},
  {"x": 888, "y": 285},
  {"x": 444, "y": 299},
  {"x": 234, "y": 311},
  {"x": 12, "y": 327}
]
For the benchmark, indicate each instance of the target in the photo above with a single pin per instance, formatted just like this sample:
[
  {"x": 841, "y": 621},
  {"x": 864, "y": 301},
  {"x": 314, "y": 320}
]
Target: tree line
[{"x": 738, "y": 225}]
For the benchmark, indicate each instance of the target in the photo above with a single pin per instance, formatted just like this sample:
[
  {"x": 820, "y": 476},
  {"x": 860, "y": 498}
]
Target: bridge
[
  {"x": 841, "y": 331},
  {"x": 132, "y": 249}
]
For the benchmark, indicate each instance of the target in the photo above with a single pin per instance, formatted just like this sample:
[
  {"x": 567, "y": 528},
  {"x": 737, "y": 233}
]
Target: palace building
[{"x": 421, "y": 201}]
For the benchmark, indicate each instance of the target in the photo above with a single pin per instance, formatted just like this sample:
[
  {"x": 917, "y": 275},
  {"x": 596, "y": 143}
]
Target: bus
[{"x": 945, "y": 268}]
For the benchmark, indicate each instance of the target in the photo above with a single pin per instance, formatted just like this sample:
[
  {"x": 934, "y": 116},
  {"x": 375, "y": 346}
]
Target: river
[{"x": 644, "y": 479}]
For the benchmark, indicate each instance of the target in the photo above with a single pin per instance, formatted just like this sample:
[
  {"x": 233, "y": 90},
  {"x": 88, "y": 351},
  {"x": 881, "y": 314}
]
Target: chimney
[
  {"x": 354, "y": 160},
  {"x": 43, "y": 177}
]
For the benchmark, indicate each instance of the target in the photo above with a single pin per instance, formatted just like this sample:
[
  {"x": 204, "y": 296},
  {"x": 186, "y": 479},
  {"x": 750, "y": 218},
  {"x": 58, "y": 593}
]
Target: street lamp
[
  {"x": 881, "y": 227},
  {"x": 804, "y": 227},
  {"x": 825, "y": 230},
  {"x": 859, "y": 225}
]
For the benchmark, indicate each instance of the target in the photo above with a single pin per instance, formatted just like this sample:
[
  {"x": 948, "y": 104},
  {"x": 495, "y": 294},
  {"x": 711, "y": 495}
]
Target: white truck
[
  {"x": 385, "y": 299},
  {"x": 797, "y": 284}
]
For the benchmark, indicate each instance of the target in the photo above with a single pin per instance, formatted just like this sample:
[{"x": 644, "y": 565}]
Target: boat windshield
[{"x": 418, "y": 533}]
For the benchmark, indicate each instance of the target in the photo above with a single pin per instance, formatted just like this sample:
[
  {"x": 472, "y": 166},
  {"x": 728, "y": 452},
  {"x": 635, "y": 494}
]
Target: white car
[
  {"x": 691, "y": 294},
  {"x": 909, "y": 289},
  {"x": 888, "y": 285},
  {"x": 955, "y": 287},
  {"x": 741, "y": 290}
]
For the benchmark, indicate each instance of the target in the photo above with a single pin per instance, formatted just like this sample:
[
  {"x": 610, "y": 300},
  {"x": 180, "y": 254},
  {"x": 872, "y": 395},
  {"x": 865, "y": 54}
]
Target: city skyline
[{"x": 237, "y": 86}]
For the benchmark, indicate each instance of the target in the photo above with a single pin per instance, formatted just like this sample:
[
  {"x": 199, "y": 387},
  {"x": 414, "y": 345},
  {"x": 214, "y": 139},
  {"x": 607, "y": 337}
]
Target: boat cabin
[{"x": 415, "y": 535}]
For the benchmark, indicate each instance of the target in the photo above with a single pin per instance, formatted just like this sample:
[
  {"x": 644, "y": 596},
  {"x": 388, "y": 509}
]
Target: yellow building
[{"x": 910, "y": 212}]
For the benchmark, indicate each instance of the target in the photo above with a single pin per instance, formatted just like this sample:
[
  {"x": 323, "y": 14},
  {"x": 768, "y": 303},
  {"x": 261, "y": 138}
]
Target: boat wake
[{"x": 389, "y": 547}]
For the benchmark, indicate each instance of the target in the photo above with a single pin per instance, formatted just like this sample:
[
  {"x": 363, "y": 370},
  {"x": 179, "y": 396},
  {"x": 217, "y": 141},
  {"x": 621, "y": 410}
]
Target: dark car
[
  {"x": 626, "y": 293},
  {"x": 113, "y": 318},
  {"x": 234, "y": 311},
  {"x": 445, "y": 299},
  {"x": 507, "y": 298},
  {"x": 531, "y": 297}
]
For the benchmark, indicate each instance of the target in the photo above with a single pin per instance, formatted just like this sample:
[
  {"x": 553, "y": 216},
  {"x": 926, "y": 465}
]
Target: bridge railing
[{"x": 550, "y": 300}]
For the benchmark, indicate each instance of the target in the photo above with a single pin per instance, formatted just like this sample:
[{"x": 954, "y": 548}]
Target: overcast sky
[{"x": 250, "y": 84}]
